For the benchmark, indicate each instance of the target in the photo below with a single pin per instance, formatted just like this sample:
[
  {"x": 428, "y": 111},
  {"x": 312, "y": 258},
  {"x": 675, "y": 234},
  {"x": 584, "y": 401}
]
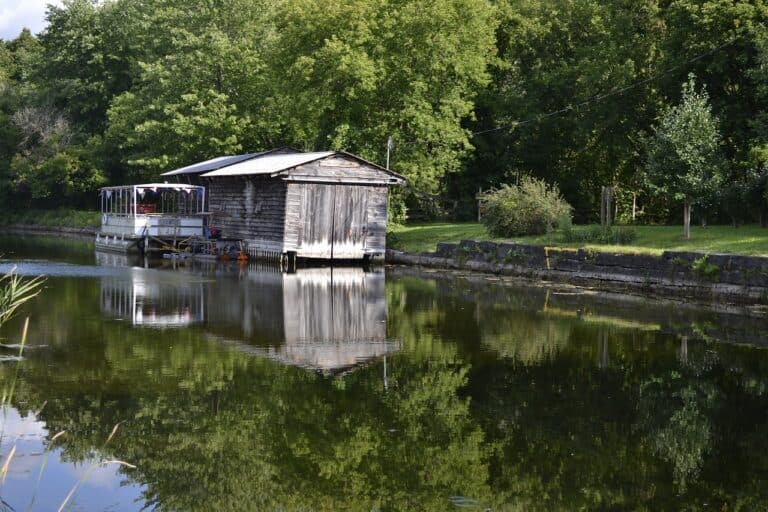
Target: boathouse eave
[
  {"x": 286, "y": 169},
  {"x": 401, "y": 179}
]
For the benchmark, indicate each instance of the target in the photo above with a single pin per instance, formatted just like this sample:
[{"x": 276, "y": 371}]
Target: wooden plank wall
[
  {"x": 339, "y": 168},
  {"x": 376, "y": 239},
  {"x": 294, "y": 215},
  {"x": 309, "y": 220},
  {"x": 249, "y": 209},
  {"x": 278, "y": 216},
  {"x": 318, "y": 214}
]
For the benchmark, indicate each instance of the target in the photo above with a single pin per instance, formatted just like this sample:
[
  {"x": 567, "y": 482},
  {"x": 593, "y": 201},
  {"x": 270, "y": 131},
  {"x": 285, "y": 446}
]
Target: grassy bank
[
  {"x": 53, "y": 218},
  {"x": 750, "y": 240}
]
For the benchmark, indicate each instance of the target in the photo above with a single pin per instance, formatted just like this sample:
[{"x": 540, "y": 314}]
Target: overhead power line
[{"x": 588, "y": 102}]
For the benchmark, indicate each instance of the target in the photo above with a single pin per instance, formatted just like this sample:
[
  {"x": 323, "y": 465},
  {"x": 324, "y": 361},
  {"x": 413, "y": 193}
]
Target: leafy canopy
[{"x": 684, "y": 157}]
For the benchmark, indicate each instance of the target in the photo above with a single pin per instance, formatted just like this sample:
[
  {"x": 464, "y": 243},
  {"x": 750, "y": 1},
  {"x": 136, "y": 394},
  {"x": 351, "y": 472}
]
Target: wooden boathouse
[{"x": 324, "y": 205}]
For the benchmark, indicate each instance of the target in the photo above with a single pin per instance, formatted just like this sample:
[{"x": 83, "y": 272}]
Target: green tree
[
  {"x": 683, "y": 157},
  {"x": 88, "y": 57},
  {"x": 697, "y": 26},
  {"x": 351, "y": 74},
  {"x": 65, "y": 175},
  {"x": 26, "y": 50},
  {"x": 196, "y": 126},
  {"x": 759, "y": 144},
  {"x": 195, "y": 98},
  {"x": 6, "y": 63},
  {"x": 555, "y": 55}
]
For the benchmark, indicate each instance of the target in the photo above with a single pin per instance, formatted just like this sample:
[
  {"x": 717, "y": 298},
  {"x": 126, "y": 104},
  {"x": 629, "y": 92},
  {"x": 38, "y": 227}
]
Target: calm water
[{"x": 246, "y": 389}]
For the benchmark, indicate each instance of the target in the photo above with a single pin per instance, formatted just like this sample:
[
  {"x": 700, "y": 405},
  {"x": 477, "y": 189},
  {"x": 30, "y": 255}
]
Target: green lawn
[{"x": 751, "y": 239}]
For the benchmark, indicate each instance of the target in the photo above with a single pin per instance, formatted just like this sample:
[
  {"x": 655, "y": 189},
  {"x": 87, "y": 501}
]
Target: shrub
[
  {"x": 394, "y": 241},
  {"x": 530, "y": 208},
  {"x": 704, "y": 269}
]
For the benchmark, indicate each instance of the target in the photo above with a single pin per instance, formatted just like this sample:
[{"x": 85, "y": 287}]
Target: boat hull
[{"x": 118, "y": 244}]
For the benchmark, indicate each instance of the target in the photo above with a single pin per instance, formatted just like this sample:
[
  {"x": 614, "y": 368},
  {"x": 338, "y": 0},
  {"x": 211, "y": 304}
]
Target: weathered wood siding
[
  {"x": 338, "y": 169},
  {"x": 250, "y": 209},
  {"x": 330, "y": 208},
  {"x": 335, "y": 221},
  {"x": 376, "y": 237}
]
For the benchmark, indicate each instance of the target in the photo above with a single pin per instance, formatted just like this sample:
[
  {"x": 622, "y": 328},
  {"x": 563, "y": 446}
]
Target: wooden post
[
  {"x": 687, "y": 220},
  {"x": 634, "y": 206}
]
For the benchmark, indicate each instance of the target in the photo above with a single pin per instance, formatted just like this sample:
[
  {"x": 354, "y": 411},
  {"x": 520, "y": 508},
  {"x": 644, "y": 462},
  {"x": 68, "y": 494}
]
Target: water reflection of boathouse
[
  {"x": 325, "y": 319},
  {"x": 152, "y": 299}
]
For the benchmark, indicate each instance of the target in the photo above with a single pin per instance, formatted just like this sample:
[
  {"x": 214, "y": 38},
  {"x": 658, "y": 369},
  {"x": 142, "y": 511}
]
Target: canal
[{"x": 222, "y": 387}]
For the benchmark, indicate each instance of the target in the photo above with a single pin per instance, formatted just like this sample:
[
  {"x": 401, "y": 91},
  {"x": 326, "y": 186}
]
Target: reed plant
[{"x": 15, "y": 291}]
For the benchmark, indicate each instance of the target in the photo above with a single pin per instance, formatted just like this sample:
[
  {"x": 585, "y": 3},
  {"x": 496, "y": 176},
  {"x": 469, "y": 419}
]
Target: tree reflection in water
[{"x": 499, "y": 396}]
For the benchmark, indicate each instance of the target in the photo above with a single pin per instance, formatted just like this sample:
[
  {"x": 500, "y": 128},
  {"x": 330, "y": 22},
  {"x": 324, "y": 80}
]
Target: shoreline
[
  {"x": 34, "y": 229},
  {"x": 705, "y": 278}
]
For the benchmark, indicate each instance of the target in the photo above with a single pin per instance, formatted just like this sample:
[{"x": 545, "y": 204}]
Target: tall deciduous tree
[
  {"x": 555, "y": 55},
  {"x": 684, "y": 156},
  {"x": 351, "y": 74},
  {"x": 195, "y": 98}
]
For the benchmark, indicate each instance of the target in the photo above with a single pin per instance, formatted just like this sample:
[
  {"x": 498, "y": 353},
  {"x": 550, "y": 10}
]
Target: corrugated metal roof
[
  {"x": 267, "y": 164},
  {"x": 212, "y": 164}
]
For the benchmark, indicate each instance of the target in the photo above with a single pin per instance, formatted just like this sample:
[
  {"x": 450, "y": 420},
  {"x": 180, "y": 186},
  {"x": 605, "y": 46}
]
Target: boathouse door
[{"x": 335, "y": 221}]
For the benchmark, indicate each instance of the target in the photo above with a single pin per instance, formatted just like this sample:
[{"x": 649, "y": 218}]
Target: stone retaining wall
[{"x": 733, "y": 278}]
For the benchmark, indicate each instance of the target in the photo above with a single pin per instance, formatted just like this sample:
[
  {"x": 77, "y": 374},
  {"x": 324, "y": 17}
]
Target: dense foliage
[
  {"x": 122, "y": 90},
  {"x": 530, "y": 208},
  {"x": 684, "y": 158}
]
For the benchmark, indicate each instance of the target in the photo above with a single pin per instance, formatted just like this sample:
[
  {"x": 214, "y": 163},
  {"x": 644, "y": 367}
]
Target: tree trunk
[
  {"x": 684, "y": 349},
  {"x": 606, "y": 208},
  {"x": 687, "y": 220},
  {"x": 703, "y": 221},
  {"x": 634, "y": 207},
  {"x": 602, "y": 207}
]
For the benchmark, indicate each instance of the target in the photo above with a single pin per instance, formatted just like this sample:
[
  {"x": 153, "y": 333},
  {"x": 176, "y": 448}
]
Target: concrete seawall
[{"x": 710, "y": 277}]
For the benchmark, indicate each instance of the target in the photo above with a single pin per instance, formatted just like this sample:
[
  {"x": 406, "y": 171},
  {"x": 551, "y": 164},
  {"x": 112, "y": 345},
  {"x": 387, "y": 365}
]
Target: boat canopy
[{"x": 153, "y": 199}]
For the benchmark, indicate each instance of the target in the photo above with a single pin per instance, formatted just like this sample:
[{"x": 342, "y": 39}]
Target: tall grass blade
[
  {"x": 42, "y": 468},
  {"x": 8, "y": 459},
  {"x": 4, "y": 469},
  {"x": 8, "y": 393},
  {"x": 91, "y": 468}
]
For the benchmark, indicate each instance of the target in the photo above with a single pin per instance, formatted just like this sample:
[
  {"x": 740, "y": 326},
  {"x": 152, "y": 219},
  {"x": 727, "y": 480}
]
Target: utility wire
[{"x": 590, "y": 101}]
